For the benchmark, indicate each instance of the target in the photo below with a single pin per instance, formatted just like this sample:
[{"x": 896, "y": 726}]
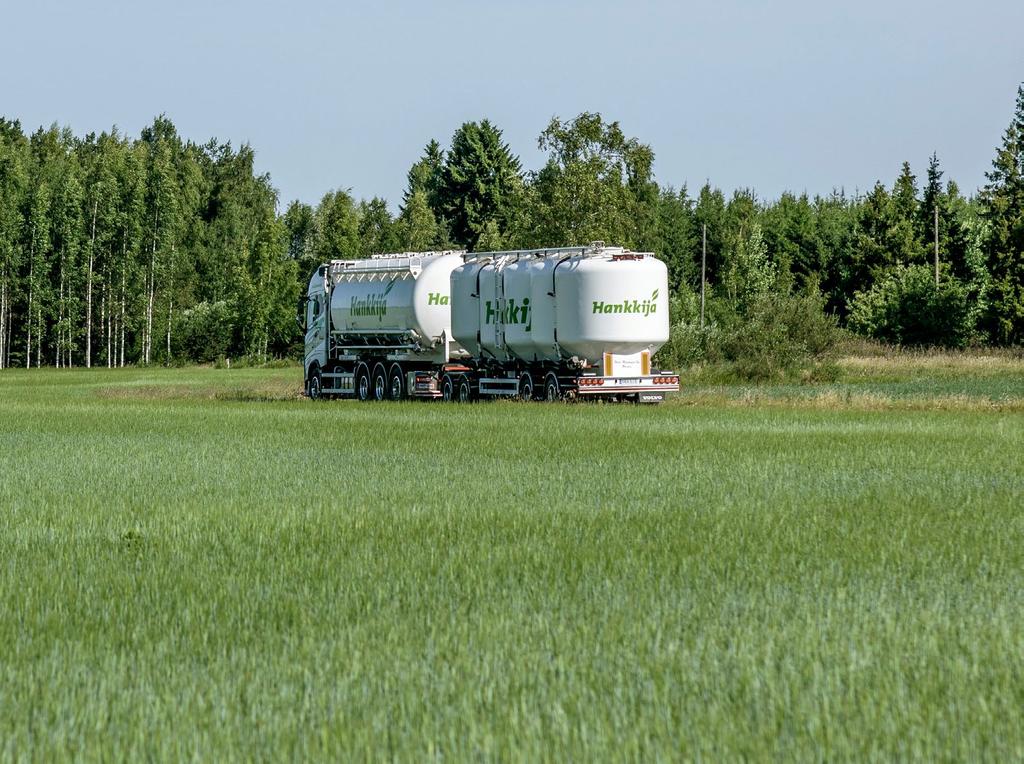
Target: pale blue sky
[{"x": 773, "y": 96}]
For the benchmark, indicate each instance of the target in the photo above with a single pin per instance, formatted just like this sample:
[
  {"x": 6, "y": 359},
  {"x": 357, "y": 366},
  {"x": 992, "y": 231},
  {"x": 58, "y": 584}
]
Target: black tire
[
  {"x": 552, "y": 392},
  {"x": 526, "y": 390},
  {"x": 362, "y": 382},
  {"x": 448, "y": 388},
  {"x": 315, "y": 385},
  {"x": 380, "y": 383},
  {"x": 396, "y": 384},
  {"x": 465, "y": 391}
]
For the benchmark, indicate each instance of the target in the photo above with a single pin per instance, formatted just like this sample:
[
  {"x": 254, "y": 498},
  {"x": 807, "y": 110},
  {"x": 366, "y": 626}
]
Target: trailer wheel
[
  {"x": 314, "y": 385},
  {"x": 552, "y": 392},
  {"x": 465, "y": 391},
  {"x": 526, "y": 387},
  {"x": 380, "y": 383},
  {"x": 448, "y": 388},
  {"x": 363, "y": 382},
  {"x": 396, "y": 386}
]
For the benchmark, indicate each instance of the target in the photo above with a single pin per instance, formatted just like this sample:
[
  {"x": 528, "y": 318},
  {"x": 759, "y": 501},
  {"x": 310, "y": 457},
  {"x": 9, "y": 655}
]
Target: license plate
[{"x": 629, "y": 382}]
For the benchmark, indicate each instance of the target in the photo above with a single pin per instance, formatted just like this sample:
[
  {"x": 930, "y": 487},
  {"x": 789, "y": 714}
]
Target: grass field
[{"x": 199, "y": 564}]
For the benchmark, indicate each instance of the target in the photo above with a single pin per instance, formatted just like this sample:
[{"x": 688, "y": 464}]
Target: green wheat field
[{"x": 200, "y": 564}]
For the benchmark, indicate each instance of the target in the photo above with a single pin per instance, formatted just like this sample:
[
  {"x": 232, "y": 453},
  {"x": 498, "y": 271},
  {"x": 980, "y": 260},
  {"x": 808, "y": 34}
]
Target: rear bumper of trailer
[{"x": 651, "y": 388}]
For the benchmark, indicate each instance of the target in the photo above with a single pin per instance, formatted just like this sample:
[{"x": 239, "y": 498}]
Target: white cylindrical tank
[
  {"x": 488, "y": 306},
  {"x": 466, "y": 304},
  {"x": 407, "y": 295},
  {"x": 530, "y": 307},
  {"x": 552, "y": 305},
  {"x": 518, "y": 308},
  {"x": 610, "y": 302},
  {"x": 542, "y": 307},
  {"x": 492, "y": 305}
]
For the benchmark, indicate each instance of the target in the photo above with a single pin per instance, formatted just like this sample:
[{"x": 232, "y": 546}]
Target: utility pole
[
  {"x": 703, "y": 272},
  {"x": 936, "y": 244}
]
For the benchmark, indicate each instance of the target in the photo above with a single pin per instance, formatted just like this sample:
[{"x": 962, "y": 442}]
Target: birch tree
[
  {"x": 13, "y": 179},
  {"x": 101, "y": 195},
  {"x": 67, "y": 225},
  {"x": 131, "y": 209},
  {"x": 161, "y": 209},
  {"x": 38, "y": 239}
]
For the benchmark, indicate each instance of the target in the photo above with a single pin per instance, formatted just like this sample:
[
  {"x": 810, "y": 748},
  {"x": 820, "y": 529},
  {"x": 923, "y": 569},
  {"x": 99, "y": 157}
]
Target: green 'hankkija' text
[
  {"x": 637, "y": 307},
  {"x": 373, "y": 305},
  {"x": 511, "y": 314}
]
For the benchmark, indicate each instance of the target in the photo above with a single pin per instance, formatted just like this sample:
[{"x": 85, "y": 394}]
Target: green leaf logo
[
  {"x": 386, "y": 291},
  {"x": 654, "y": 295}
]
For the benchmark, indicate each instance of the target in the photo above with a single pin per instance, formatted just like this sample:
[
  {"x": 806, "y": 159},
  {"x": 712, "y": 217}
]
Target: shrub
[
  {"x": 778, "y": 335},
  {"x": 906, "y": 308},
  {"x": 685, "y": 345},
  {"x": 205, "y": 331},
  {"x": 782, "y": 335}
]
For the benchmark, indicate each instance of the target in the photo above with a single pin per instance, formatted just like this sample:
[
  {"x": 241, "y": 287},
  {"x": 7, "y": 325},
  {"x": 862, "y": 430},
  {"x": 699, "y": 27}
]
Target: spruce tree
[
  {"x": 790, "y": 235},
  {"x": 710, "y": 211},
  {"x": 482, "y": 181},
  {"x": 836, "y": 231},
  {"x": 871, "y": 254},
  {"x": 426, "y": 176},
  {"x": 933, "y": 198},
  {"x": 1003, "y": 208},
  {"x": 676, "y": 242},
  {"x": 904, "y": 237}
]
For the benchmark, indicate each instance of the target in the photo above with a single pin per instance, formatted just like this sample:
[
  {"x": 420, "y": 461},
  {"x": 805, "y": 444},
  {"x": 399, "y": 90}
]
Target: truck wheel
[
  {"x": 551, "y": 389},
  {"x": 465, "y": 392},
  {"x": 362, "y": 382},
  {"x": 380, "y": 383},
  {"x": 526, "y": 387},
  {"x": 448, "y": 388},
  {"x": 314, "y": 386},
  {"x": 396, "y": 386}
]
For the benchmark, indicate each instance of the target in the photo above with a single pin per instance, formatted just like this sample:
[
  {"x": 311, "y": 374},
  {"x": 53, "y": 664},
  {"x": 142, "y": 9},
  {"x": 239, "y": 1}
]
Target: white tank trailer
[{"x": 534, "y": 324}]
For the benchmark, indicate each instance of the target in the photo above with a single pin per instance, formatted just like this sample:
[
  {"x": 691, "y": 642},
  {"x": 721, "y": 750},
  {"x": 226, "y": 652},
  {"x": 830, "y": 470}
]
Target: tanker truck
[{"x": 540, "y": 324}]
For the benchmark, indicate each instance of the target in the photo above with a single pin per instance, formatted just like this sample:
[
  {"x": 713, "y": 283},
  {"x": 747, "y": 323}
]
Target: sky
[{"x": 772, "y": 96}]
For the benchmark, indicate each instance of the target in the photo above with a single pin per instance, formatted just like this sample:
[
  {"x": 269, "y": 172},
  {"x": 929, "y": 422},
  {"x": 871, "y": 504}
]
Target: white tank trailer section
[{"x": 535, "y": 324}]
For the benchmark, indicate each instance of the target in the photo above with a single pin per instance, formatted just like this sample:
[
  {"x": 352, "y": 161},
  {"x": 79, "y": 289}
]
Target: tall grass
[{"x": 196, "y": 564}]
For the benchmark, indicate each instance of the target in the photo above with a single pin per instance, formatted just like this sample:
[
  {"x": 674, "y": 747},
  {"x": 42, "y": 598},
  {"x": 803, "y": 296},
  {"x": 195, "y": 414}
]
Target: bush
[
  {"x": 686, "y": 342},
  {"x": 906, "y": 308},
  {"x": 205, "y": 331},
  {"x": 781, "y": 336},
  {"x": 777, "y": 336}
]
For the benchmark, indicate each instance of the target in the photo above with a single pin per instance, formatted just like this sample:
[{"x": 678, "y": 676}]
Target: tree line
[
  {"x": 111, "y": 248},
  {"x": 119, "y": 251}
]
